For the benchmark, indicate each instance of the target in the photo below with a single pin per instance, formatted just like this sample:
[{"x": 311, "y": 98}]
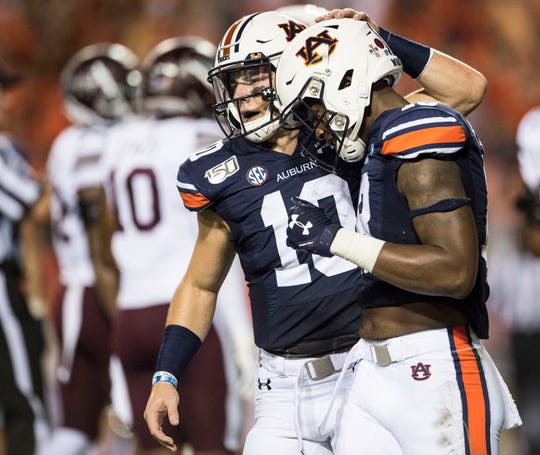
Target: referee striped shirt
[{"x": 18, "y": 191}]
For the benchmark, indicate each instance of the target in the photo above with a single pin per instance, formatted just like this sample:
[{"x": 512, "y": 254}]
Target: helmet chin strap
[
  {"x": 353, "y": 150},
  {"x": 264, "y": 127},
  {"x": 264, "y": 133}
]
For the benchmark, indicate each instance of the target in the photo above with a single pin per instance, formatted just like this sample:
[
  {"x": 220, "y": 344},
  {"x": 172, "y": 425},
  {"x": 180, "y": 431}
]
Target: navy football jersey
[
  {"x": 295, "y": 296},
  {"x": 416, "y": 131}
]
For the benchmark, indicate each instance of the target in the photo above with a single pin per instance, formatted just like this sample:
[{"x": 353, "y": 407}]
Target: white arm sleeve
[{"x": 232, "y": 322}]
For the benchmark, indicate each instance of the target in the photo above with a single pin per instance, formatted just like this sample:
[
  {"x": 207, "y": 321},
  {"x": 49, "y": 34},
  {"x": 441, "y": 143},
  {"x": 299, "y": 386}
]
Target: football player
[
  {"x": 419, "y": 237},
  {"x": 150, "y": 246},
  {"x": 98, "y": 85},
  {"x": 305, "y": 307}
]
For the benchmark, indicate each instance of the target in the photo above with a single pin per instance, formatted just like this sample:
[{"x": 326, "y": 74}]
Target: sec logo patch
[{"x": 257, "y": 175}]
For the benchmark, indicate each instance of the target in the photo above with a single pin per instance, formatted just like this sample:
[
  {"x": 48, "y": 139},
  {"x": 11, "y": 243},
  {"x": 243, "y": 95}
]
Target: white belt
[
  {"x": 387, "y": 353},
  {"x": 404, "y": 347},
  {"x": 315, "y": 368},
  {"x": 303, "y": 368}
]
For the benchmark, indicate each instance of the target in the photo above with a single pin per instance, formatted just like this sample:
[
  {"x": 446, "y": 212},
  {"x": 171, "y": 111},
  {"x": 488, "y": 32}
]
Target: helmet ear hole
[{"x": 346, "y": 80}]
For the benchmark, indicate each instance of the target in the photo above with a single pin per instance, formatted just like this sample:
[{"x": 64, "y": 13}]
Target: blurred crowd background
[{"x": 497, "y": 37}]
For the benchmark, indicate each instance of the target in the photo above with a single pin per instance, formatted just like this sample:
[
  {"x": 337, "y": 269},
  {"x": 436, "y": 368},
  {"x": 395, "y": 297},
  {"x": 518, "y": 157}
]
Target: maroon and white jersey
[
  {"x": 155, "y": 234},
  {"x": 73, "y": 163}
]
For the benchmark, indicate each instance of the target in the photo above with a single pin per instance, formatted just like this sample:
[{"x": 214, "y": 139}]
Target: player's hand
[
  {"x": 309, "y": 229},
  {"x": 348, "y": 13},
  {"x": 163, "y": 401}
]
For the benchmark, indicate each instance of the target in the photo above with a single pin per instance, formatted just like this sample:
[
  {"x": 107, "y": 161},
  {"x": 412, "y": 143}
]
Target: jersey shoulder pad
[
  {"x": 63, "y": 149},
  {"x": 423, "y": 129},
  {"x": 201, "y": 177},
  {"x": 67, "y": 138}
]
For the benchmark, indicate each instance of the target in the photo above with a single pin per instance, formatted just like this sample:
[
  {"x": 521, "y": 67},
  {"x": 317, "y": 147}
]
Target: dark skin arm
[
  {"x": 100, "y": 224},
  {"x": 446, "y": 262},
  {"x": 32, "y": 231}
]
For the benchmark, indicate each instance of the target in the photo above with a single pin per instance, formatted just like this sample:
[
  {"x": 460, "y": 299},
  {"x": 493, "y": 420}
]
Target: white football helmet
[
  {"x": 99, "y": 83},
  {"x": 251, "y": 48},
  {"x": 324, "y": 81},
  {"x": 528, "y": 142},
  {"x": 174, "y": 78},
  {"x": 306, "y": 14}
]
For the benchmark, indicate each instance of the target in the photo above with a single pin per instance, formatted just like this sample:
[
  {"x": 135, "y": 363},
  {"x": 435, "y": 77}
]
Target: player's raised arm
[
  {"x": 188, "y": 321},
  {"x": 442, "y": 78},
  {"x": 450, "y": 81}
]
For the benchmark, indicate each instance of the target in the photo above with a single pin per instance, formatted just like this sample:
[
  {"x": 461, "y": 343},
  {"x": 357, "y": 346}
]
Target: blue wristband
[
  {"x": 164, "y": 376},
  {"x": 178, "y": 347},
  {"x": 414, "y": 56}
]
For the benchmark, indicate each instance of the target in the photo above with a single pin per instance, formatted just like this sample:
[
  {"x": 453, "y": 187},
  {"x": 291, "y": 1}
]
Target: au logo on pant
[{"x": 420, "y": 371}]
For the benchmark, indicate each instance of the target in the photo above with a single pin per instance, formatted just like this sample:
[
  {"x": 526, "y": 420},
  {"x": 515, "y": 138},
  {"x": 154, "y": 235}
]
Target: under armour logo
[
  {"x": 420, "y": 371},
  {"x": 264, "y": 384},
  {"x": 295, "y": 222}
]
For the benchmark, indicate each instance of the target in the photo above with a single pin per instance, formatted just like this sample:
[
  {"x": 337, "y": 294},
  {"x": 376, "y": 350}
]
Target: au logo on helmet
[
  {"x": 309, "y": 50},
  {"x": 291, "y": 29}
]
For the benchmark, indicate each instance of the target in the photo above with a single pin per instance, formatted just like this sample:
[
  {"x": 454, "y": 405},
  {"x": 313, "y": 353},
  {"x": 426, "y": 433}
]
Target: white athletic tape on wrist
[
  {"x": 360, "y": 249},
  {"x": 165, "y": 376}
]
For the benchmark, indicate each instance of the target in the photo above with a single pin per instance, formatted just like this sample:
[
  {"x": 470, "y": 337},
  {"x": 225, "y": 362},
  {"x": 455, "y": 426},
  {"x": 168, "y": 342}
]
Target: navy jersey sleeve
[
  {"x": 198, "y": 186},
  {"x": 423, "y": 129}
]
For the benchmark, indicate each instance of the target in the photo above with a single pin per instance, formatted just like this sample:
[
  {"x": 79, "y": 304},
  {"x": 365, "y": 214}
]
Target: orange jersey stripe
[
  {"x": 438, "y": 135},
  {"x": 476, "y": 426},
  {"x": 194, "y": 201}
]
